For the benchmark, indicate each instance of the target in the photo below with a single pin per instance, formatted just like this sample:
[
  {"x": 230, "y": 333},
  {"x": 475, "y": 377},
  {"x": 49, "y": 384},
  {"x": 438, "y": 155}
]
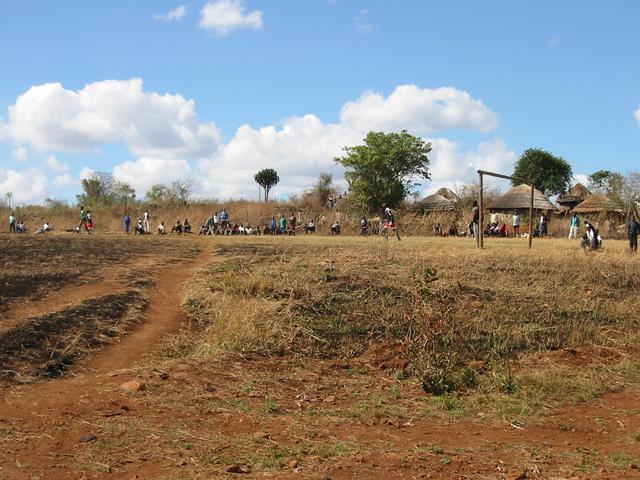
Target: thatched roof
[
  {"x": 576, "y": 194},
  {"x": 599, "y": 203},
  {"x": 520, "y": 197},
  {"x": 435, "y": 203},
  {"x": 448, "y": 194}
]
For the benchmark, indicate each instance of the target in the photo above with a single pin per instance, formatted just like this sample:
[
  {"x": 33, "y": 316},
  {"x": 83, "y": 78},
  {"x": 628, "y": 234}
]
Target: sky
[{"x": 153, "y": 91}]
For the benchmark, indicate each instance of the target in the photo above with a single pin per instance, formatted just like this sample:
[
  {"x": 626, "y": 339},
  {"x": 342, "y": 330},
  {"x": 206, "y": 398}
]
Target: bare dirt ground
[{"x": 159, "y": 401}]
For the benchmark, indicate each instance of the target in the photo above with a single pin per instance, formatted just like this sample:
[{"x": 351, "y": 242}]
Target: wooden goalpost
[{"x": 481, "y": 174}]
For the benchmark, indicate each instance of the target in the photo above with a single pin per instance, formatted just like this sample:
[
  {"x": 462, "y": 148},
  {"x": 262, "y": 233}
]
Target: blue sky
[{"x": 562, "y": 76}]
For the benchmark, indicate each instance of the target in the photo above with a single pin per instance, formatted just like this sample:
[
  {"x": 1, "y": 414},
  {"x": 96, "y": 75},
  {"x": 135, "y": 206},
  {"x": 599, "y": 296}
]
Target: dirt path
[
  {"x": 163, "y": 315},
  {"x": 47, "y": 418}
]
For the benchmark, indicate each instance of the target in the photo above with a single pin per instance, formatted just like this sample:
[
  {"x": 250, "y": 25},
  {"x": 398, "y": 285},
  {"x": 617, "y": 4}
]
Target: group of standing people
[{"x": 16, "y": 226}]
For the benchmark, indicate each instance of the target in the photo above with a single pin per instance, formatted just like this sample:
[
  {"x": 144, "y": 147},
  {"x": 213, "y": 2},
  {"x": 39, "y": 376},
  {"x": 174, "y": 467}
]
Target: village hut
[
  {"x": 435, "y": 203},
  {"x": 574, "y": 196},
  {"x": 519, "y": 198},
  {"x": 448, "y": 194},
  {"x": 598, "y": 204}
]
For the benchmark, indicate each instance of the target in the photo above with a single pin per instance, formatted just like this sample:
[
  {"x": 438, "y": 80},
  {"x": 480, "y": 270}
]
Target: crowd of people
[{"x": 219, "y": 224}]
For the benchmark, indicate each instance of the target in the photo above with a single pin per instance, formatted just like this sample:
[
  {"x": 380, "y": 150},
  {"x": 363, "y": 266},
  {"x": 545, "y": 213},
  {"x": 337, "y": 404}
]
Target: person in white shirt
[
  {"x": 493, "y": 219},
  {"x": 12, "y": 223},
  {"x": 516, "y": 224},
  {"x": 161, "y": 229}
]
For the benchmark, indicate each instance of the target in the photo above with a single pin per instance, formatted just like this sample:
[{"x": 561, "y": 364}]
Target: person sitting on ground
[
  {"x": 186, "y": 226},
  {"x": 437, "y": 230},
  {"x": 139, "y": 229},
  {"x": 177, "y": 228},
  {"x": 209, "y": 226},
  {"x": 20, "y": 227},
  {"x": 311, "y": 227},
  {"x": 503, "y": 230},
  {"x": 453, "y": 230},
  {"x": 44, "y": 228},
  {"x": 591, "y": 238},
  {"x": 161, "y": 229},
  {"x": 493, "y": 219},
  {"x": 248, "y": 230},
  {"x": 335, "y": 228}
]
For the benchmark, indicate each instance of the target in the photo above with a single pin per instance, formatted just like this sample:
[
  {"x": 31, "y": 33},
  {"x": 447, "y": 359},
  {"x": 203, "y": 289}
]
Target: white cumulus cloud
[
  {"x": 168, "y": 141},
  {"x": 173, "y": 15},
  {"x": 420, "y": 110},
  {"x": 142, "y": 173},
  {"x": 56, "y": 165},
  {"x": 63, "y": 181},
  {"x": 304, "y": 146},
  {"x": 51, "y": 118},
  {"x": 223, "y": 16},
  {"x": 28, "y": 186},
  {"x": 299, "y": 150},
  {"x": 450, "y": 166},
  {"x": 20, "y": 153}
]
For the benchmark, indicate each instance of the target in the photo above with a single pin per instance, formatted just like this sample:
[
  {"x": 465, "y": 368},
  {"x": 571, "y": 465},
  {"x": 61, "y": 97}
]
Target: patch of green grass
[
  {"x": 270, "y": 405},
  {"x": 620, "y": 461}
]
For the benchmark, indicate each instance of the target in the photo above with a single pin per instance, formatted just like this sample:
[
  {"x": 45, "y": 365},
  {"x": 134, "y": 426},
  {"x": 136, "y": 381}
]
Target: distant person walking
[
  {"x": 127, "y": 223},
  {"x": 575, "y": 226},
  {"x": 543, "y": 225},
  {"x": 515, "y": 222},
  {"x": 283, "y": 224},
  {"x": 475, "y": 222},
  {"x": 145, "y": 221},
  {"x": 633, "y": 229},
  {"x": 83, "y": 219},
  {"x": 12, "y": 223}
]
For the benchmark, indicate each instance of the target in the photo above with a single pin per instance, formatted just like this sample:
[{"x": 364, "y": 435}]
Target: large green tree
[
  {"x": 385, "y": 169},
  {"x": 606, "y": 181},
  {"x": 550, "y": 174},
  {"x": 267, "y": 178}
]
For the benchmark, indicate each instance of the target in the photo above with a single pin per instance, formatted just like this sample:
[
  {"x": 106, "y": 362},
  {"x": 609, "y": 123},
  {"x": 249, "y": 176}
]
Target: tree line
[{"x": 384, "y": 170}]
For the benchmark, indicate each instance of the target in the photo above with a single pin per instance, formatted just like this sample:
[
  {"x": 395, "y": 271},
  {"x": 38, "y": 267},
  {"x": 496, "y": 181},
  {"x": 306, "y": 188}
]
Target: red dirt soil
[{"x": 52, "y": 416}]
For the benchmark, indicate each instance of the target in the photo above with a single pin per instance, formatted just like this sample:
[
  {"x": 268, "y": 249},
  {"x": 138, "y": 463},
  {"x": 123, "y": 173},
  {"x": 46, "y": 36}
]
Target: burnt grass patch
[
  {"x": 50, "y": 345},
  {"x": 32, "y": 266}
]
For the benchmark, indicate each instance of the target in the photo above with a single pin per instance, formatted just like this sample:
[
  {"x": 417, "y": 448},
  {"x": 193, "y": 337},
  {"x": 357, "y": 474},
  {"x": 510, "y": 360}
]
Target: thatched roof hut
[
  {"x": 435, "y": 203},
  {"x": 519, "y": 198},
  {"x": 576, "y": 195},
  {"x": 448, "y": 194},
  {"x": 599, "y": 203}
]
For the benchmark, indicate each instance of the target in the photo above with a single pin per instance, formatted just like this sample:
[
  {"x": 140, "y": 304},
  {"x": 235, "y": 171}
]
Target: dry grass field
[{"x": 317, "y": 357}]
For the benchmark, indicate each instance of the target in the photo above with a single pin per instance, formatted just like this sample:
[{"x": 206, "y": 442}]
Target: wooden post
[
  {"x": 507, "y": 177},
  {"x": 481, "y": 218},
  {"x": 531, "y": 217}
]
